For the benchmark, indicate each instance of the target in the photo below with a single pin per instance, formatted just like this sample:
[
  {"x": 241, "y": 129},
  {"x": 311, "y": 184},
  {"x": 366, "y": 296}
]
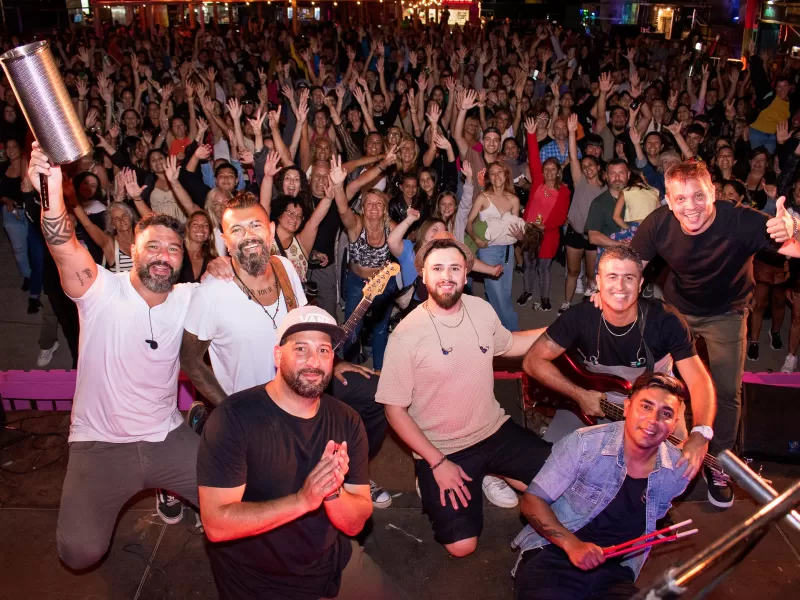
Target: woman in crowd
[
  {"x": 198, "y": 247},
  {"x": 498, "y": 207},
  {"x": 294, "y": 239},
  {"x": 547, "y": 208},
  {"x": 116, "y": 238}
]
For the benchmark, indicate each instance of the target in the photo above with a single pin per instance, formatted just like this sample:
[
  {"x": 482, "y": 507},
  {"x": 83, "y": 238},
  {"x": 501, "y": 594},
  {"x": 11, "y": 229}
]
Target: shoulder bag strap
[
  {"x": 284, "y": 283},
  {"x": 651, "y": 363}
]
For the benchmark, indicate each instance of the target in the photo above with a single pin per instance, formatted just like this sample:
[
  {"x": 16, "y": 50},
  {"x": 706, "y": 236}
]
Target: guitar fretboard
[
  {"x": 616, "y": 413},
  {"x": 350, "y": 326}
]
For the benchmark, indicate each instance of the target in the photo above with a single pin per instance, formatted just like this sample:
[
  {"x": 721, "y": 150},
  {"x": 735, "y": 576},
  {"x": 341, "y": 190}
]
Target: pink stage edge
[{"x": 53, "y": 390}]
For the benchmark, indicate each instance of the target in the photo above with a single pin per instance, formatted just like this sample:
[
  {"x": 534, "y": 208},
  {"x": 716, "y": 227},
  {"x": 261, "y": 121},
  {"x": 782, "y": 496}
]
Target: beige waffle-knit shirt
[{"x": 450, "y": 397}]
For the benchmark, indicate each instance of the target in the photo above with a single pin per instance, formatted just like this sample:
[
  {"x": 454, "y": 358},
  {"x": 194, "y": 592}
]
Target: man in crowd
[
  {"x": 126, "y": 432},
  {"x": 621, "y": 338},
  {"x": 438, "y": 388},
  {"x": 632, "y": 471},
  {"x": 600, "y": 224},
  {"x": 709, "y": 247},
  {"x": 283, "y": 476}
]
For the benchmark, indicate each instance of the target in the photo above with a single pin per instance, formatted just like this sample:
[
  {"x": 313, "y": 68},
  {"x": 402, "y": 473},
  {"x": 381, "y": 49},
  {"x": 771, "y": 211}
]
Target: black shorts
[
  {"x": 576, "y": 240},
  {"x": 512, "y": 451}
]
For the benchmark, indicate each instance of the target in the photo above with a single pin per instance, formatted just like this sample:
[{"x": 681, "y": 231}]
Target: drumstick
[
  {"x": 670, "y": 538},
  {"x": 609, "y": 550}
]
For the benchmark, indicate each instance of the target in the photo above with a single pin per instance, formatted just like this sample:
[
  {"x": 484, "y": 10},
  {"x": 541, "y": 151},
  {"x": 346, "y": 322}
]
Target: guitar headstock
[{"x": 378, "y": 282}]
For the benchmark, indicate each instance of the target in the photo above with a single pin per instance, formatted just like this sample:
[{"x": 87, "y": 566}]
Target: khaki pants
[
  {"x": 726, "y": 340},
  {"x": 101, "y": 478}
]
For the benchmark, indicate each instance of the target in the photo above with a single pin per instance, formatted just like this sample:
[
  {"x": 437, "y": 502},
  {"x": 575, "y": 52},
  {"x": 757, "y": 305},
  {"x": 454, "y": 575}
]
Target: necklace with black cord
[{"x": 251, "y": 296}]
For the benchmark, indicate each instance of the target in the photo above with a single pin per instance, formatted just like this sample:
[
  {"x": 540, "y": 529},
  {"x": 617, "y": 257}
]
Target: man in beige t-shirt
[{"x": 438, "y": 387}]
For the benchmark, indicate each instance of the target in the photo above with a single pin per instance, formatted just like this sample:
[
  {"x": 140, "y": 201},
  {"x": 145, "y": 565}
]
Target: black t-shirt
[
  {"x": 251, "y": 441},
  {"x": 328, "y": 231},
  {"x": 710, "y": 273},
  {"x": 624, "y": 519},
  {"x": 665, "y": 332}
]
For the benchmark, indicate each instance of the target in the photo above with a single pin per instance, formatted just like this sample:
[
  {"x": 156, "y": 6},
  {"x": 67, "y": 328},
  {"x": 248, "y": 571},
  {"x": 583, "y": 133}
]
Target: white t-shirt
[
  {"x": 126, "y": 391},
  {"x": 242, "y": 336}
]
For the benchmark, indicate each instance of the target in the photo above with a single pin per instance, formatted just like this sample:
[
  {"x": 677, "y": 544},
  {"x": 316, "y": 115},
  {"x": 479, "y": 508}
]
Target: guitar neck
[
  {"x": 350, "y": 325},
  {"x": 616, "y": 413}
]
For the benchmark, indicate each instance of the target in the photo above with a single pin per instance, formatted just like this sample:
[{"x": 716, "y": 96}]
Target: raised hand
[
  {"x": 605, "y": 82},
  {"x": 204, "y": 152},
  {"x": 202, "y": 127},
  {"x": 636, "y": 139},
  {"x": 469, "y": 100},
  {"x": 441, "y": 141},
  {"x": 783, "y": 226},
  {"x": 172, "y": 169},
  {"x": 466, "y": 169},
  {"x": 782, "y": 132},
  {"x": 530, "y": 125},
  {"x": 412, "y": 215},
  {"x": 274, "y": 119},
  {"x": 572, "y": 123},
  {"x": 83, "y": 88},
  {"x": 235, "y": 109},
  {"x": 338, "y": 173},
  {"x": 272, "y": 166},
  {"x": 132, "y": 187},
  {"x": 262, "y": 76},
  {"x": 259, "y": 120},
  {"x": 434, "y": 113},
  {"x": 391, "y": 156}
]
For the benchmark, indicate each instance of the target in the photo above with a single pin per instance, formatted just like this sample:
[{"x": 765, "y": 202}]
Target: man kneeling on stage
[
  {"x": 283, "y": 477},
  {"x": 609, "y": 483}
]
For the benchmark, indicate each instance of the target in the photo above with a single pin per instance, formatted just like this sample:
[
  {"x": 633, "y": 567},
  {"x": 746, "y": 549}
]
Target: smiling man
[
  {"x": 601, "y": 486},
  {"x": 126, "y": 433},
  {"x": 709, "y": 247},
  {"x": 628, "y": 336}
]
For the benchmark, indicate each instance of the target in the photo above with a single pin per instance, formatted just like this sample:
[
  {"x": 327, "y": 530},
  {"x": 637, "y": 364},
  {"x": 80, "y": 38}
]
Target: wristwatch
[
  {"x": 705, "y": 431},
  {"x": 333, "y": 496}
]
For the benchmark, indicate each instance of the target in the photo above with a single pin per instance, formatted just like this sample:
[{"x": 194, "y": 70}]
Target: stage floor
[{"x": 150, "y": 560}]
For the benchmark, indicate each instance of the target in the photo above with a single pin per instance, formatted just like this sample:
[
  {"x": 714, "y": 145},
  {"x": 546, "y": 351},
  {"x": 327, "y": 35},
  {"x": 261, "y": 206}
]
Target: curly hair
[{"x": 303, "y": 196}]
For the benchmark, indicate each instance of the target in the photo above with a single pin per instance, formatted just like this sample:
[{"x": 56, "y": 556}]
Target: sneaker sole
[
  {"x": 384, "y": 504},
  {"x": 714, "y": 501},
  {"x": 170, "y": 520}
]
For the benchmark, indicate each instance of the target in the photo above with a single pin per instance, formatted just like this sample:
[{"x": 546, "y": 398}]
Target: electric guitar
[
  {"x": 373, "y": 288},
  {"x": 539, "y": 395}
]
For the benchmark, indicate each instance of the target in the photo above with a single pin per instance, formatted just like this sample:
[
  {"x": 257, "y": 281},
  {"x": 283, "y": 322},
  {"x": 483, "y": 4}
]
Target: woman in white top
[
  {"x": 293, "y": 239},
  {"x": 117, "y": 238},
  {"x": 498, "y": 207}
]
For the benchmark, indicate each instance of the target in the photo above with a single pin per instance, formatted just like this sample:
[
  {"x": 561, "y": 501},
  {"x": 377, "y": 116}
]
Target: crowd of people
[{"x": 248, "y": 185}]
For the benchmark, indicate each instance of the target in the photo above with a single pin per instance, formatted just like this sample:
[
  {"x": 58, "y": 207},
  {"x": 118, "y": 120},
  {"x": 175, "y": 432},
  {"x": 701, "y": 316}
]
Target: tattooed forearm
[
  {"x": 199, "y": 373},
  {"x": 544, "y": 529},
  {"x": 57, "y": 230}
]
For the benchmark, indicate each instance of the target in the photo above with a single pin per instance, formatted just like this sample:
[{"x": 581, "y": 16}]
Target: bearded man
[
  {"x": 126, "y": 433},
  {"x": 438, "y": 387},
  {"x": 284, "y": 478}
]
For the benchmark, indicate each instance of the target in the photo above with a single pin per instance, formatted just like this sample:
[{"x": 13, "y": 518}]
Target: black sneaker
[
  {"x": 26, "y": 284},
  {"x": 752, "y": 351},
  {"x": 775, "y": 340},
  {"x": 546, "y": 304},
  {"x": 197, "y": 416},
  {"x": 168, "y": 507},
  {"x": 523, "y": 298},
  {"x": 520, "y": 269},
  {"x": 720, "y": 492},
  {"x": 33, "y": 306}
]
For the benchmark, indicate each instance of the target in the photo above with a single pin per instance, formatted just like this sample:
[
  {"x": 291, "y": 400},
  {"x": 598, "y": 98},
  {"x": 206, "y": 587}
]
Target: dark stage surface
[{"x": 150, "y": 560}]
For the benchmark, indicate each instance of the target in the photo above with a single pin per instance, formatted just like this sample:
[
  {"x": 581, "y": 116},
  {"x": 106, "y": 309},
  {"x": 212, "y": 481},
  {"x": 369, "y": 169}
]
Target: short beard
[
  {"x": 254, "y": 264},
  {"x": 157, "y": 285},
  {"x": 445, "y": 300},
  {"x": 303, "y": 388}
]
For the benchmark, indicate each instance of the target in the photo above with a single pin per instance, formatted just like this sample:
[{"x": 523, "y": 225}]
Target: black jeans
[
  {"x": 546, "y": 574},
  {"x": 359, "y": 394}
]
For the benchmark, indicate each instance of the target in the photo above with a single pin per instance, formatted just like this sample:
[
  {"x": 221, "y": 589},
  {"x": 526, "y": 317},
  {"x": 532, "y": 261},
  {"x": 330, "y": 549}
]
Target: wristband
[
  {"x": 439, "y": 464},
  {"x": 796, "y": 223},
  {"x": 333, "y": 496}
]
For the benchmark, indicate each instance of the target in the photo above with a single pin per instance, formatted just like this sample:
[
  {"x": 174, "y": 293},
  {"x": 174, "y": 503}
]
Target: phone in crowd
[
  {"x": 637, "y": 102},
  {"x": 698, "y": 46},
  {"x": 535, "y": 73}
]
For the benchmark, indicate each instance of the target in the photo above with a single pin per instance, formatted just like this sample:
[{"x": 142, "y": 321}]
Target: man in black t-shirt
[
  {"x": 283, "y": 479},
  {"x": 709, "y": 248},
  {"x": 614, "y": 341},
  {"x": 324, "y": 272}
]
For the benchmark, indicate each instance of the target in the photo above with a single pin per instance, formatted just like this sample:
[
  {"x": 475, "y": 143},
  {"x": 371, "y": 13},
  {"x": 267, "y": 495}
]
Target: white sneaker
[
  {"x": 380, "y": 497},
  {"x": 789, "y": 364},
  {"x": 579, "y": 286},
  {"x": 45, "y": 356},
  {"x": 564, "y": 307},
  {"x": 499, "y": 493}
]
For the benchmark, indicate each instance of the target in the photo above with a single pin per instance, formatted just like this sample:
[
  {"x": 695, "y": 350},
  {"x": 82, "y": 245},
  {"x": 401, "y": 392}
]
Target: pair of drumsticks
[{"x": 635, "y": 545}]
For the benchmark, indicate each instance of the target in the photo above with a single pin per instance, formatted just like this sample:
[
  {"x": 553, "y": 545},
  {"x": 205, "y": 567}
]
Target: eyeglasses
[{"x": 293, "y": 215}]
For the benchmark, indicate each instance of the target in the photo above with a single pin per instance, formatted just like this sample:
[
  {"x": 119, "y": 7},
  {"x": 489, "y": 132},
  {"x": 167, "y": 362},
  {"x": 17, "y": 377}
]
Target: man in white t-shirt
[
  {"x": 126, "y": 432},
  {"x": 235, "y": 320}
]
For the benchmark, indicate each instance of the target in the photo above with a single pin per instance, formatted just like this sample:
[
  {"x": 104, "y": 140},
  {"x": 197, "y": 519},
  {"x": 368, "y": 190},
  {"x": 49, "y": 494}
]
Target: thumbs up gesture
[{"x": 781, "y": 227}]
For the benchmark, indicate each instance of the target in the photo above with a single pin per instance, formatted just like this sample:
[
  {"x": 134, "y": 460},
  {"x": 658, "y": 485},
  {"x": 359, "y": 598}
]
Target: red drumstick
[
  {"x": 611, "y": 549},
  {"x": 669, "y": 538}
]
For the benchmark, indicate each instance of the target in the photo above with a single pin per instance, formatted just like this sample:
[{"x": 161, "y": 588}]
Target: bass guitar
[
  {"x": 373, "y": 288},
  {"x": 537, "y": 394}
]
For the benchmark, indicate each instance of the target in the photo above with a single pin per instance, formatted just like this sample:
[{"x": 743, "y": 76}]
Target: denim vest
[{"x": 586, "y": 471}]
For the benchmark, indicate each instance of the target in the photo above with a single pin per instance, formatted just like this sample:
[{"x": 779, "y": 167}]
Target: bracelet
[
  {"x": 796, "y": 222},
  {"x": 439, "y": 464}
]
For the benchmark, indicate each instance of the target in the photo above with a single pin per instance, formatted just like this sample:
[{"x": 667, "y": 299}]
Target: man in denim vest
[{"x": 601, "y": 486}]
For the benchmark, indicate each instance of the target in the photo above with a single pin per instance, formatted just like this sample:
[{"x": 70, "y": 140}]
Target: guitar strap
[
  {"x": 651, "y": 363},
  {"x": 284, "y": 283}
]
